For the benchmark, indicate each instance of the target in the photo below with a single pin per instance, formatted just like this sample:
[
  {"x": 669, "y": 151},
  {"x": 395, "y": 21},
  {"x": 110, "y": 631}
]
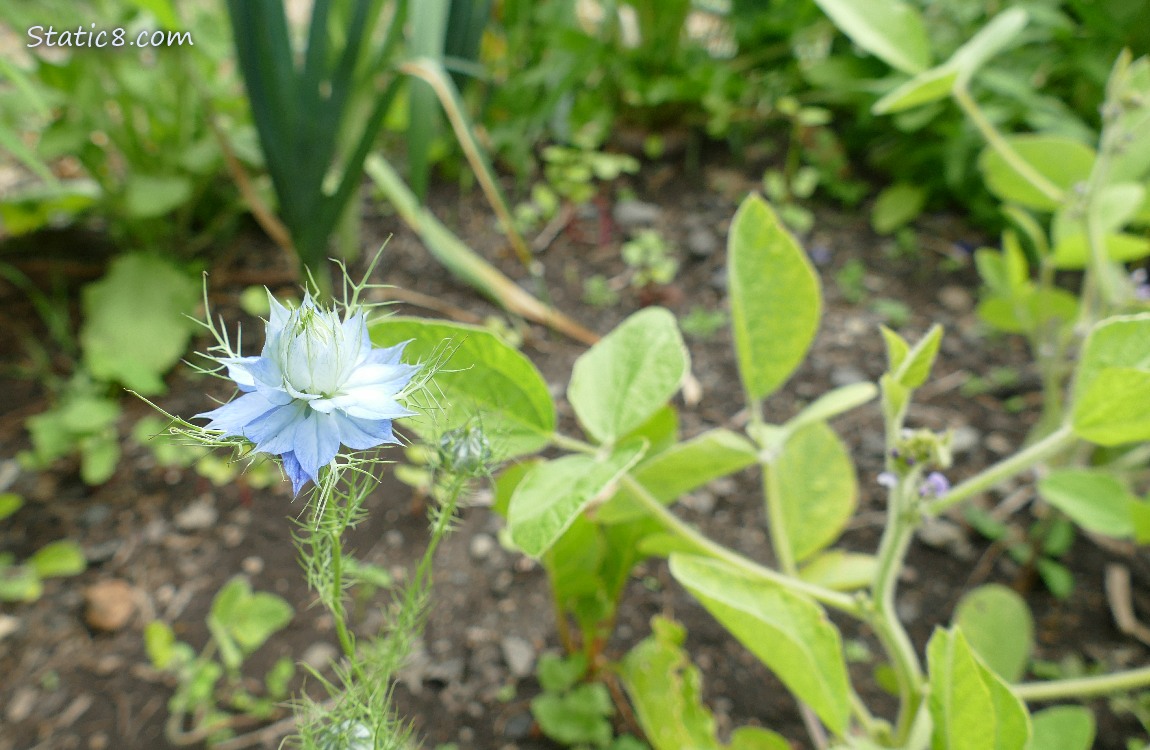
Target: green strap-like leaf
[{"x": 891, "y": 30}]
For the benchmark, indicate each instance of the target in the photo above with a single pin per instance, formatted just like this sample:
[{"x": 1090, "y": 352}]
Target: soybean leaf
[
  {"x": 1112, "y": 385},
  {"x": 926, "y": 87},
  {"x": 666, "y": 690},
  {"x": 891, "y": 30},
  {"x": 483, "y": 378},
  {"x": 62, "y": 558},
  {"x": 1072, "y": 252},
  {"x": 19, "y": 583},
  {"x": 839, "y": 570},
  {"x": 554, "y": 493},
  {"x": 910, "y": 367},
  {"x": 149, "y": 196},
  {"x": 1094, "y": 500},
  {"x": 813, "y": 480},
  {"x": 241, "y": 621},
  {"x": 122, "y": 345},
  {"x": 787, "y": 632},
  {"x": 988, "y": 42},
  {"x": 1063, "y": 728},
  {"x": 159, "y": 643},
  {"x": 774, "y": 296},
  {"x": 619, "y": 383},
  {"x": 972, "y": 708},
  {"x": 833, "y": 403},
  {"x": 680, "y": 469},
  {"x": 1062, "y": 161},
  {"x": 998, "y": 626}
]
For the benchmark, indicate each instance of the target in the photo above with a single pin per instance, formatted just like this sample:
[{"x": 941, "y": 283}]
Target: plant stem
[
  {"x": 995, "y": 140},
  {"x": 835, "y": 599},
  {"x": 1019, "y": 462},
  {"x": 1084, "y": 687},
  {"x": 884, "y": 618}
]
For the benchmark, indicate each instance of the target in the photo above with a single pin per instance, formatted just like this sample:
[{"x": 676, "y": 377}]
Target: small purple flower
[
  {"x": 935, "y": 485},
  {"x": 1141, "y": 286},
  {"x": 318, "y": 384}
]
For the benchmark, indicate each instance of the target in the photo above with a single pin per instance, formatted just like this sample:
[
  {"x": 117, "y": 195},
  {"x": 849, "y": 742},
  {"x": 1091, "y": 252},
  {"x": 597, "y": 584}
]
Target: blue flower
[{"x": 317, "y": 384}]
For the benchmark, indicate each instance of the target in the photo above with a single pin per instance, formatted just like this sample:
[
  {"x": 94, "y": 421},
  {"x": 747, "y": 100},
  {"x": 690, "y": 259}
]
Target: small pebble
[
  {"x": 998, "y": 444},
  {"x": 702, "y": 242},
  {"x": 956, "y": 299},
  {"x": 481, "y": 546},
  {"x": 21, "y": 704},
  {"x": 632, "y": 213},
  {"x": 95, "y": 514},
  {"x": 964, "y": 439},
  {"x": 199, "y": 515},
  {"x": 393, "y": 538},
  {"x": 519, "y": 655},
  {"x": 231, "y": 535},
  {"x": 252, "y": 565},
  {"x": 518, "y": 727},
  {"x": 847, "y": 375},
  {"x": 319, "y": 655},
  {"x": 110, "y": 604},
  {"x": 8, "y": 626}
]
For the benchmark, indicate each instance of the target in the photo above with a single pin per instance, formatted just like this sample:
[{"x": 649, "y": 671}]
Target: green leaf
[
  {"x": 1112, "y": 385},
  {"x": 10, "y": 502},
  {"x": 891, "y": 30},
  {"x": 122, "y": 345},
  {"x": 482, "y": 378},
  {"x": 774, "y": 296},
  {"x": 897, "y": 206},
  {"x": 1063, "y": 728},
  {"x": 150, "y": 196},
  {"x": 833, "y": 403},
  {"x": 666, "y": 690},
  {"x": 558, "y": 674},
  {"x": 926, "y": 87},
  {"x": 241, "y": 621},
  {"x": 1062, "y": 161},
  {"x": 57, "y": 559},
  {"x": 19, "y": 583},
  {"x": 1094, "y": 500},
  {"x": 99, "y": 455},
  {"x": 813, "y": 480},
  {"x": 679, "y": 469},
  {"x": 787, "y": 632},
  {"x": 1002, "y": 30},
  {"x": 623, "y": 380},
  {"x": 998, "y": 626},
  {"x": 1072, "y": 252},
  {"x": 972, "y": 708},
  {"x": 578, "y": 717},
  {"x": 554, "y": 493},
  {"x": 159, "y": 642},
  {"x": 914, "y": 367},
  {"x": 840, "y": 570}
]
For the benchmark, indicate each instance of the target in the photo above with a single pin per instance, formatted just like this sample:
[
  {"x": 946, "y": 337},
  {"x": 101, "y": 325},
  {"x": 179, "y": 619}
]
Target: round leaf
[{"x": 998, "y": 626}]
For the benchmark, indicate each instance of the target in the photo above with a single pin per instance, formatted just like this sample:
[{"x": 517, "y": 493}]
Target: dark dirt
[{"x": 66, "y": 686}]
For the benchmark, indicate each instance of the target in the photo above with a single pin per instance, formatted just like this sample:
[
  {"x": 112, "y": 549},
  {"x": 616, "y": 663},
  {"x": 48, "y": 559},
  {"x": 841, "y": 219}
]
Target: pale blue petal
[
  {"x": 274, "y": 432},
  {"x": 277, "y": 318},
  {"x": 388, "y": 356},
  {"x": 361, "y": 434},
  {"x": 355, "y": 333},
  {"x": 252, "y": 372},
  {"x": 294, "y": 471},
  {"x": 390, "y": 377},
  {"x": 316, "y": 442},
  {"x": 234, "y": 416},
  {"x": 371, "y": 402}
]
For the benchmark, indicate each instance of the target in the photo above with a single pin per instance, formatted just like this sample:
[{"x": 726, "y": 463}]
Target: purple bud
[{"x": 935, "y": 485}]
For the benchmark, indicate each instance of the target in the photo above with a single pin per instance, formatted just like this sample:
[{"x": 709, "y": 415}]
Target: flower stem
[
  {"x": 835, "y": 599},
  {"x": 1019, "y": 462},
  {"x": 1084, "y": 687}
]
